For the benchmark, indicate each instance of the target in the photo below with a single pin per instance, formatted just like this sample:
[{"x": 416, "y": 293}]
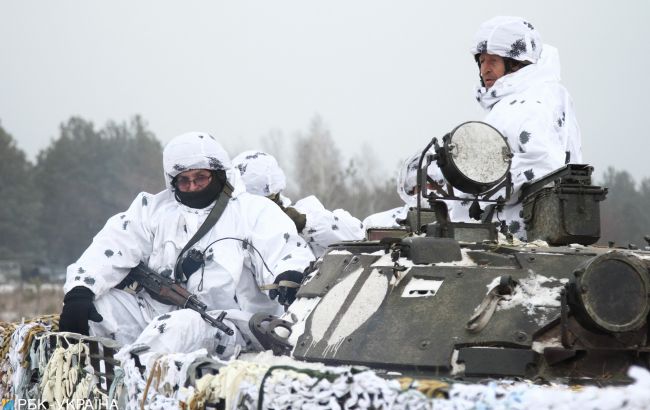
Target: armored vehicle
[{"x": 440, "y": 298}]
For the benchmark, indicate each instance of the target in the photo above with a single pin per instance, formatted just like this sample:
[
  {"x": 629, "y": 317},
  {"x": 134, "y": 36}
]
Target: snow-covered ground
[{"x": 13, "y": 287}]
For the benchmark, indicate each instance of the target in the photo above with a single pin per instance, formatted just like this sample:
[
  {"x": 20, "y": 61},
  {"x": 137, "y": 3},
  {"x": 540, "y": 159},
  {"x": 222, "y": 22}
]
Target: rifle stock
[{"x": 166, "y": 290}]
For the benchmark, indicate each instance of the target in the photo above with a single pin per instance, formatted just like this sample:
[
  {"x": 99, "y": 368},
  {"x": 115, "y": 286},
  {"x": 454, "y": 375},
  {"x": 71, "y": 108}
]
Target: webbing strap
[
  {"x": 209, "y": 222},
  {"x": 486, "y": 309}
]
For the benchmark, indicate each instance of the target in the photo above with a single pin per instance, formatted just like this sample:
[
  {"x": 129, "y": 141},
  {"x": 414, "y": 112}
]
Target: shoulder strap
[{"x": 209, "y": 222}]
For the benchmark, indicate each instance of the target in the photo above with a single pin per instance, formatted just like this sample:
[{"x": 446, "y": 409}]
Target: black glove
[
  {"x": 299, "y": 219},
  {"x": 288, "y": 283},
  {"x": 78, "y": 309}
]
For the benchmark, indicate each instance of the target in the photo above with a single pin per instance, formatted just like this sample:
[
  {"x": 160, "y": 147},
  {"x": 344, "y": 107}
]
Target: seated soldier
[
  {"x": 406, "y": 189},
  {"x": 251, "y": 244},
  {"x": 520, "y": 88},
  {"x": 317, "y": 225}
]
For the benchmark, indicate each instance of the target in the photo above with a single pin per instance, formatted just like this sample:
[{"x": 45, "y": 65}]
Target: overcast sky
[{"x": 391, "y": 73}]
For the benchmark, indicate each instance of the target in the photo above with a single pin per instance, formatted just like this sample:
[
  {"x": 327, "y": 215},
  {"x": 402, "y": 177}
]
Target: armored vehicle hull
[{"x": 436, "y": 307}]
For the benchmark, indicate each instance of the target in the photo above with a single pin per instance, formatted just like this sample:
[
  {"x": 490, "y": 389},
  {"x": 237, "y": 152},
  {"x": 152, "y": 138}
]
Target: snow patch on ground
[{"x": 13, "y": 287}]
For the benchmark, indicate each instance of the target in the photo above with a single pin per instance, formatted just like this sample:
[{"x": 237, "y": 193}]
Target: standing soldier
[{"x": 520, "y": 88}]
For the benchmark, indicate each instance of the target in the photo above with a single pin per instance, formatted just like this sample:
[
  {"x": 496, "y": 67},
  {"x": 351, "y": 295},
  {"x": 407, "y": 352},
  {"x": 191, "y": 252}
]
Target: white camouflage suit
[
  {"x": 155, "y": 228},
  {"x": 263, "y": 176},
  {"x": 407, "y": 176},
  {"x": 529, "y": 107}
]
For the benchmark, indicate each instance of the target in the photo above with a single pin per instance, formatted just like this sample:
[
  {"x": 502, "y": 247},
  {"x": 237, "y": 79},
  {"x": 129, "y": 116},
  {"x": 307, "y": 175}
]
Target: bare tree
[
  {"x": 318, "y": 166},
  {"x": 277, "y": 144},
  {"x": 624, "y": 215},
  {"x": 371, "y": 184}
]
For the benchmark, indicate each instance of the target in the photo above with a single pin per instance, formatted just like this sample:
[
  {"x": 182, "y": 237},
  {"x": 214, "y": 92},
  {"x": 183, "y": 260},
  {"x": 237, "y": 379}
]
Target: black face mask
[{"x": 201, "y": 199}]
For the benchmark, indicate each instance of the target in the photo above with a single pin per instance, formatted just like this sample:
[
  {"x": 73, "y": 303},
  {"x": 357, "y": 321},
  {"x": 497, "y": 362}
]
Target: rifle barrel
[{"x": 217, "y": 322}]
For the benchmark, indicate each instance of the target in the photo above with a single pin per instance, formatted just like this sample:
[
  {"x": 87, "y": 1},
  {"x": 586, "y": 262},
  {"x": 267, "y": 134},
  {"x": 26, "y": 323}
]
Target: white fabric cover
[
  {"x": 193, "y": 150},
  {"x": 535, "y": 114},
  {"x": 263, "y": 176},
  {"x": 324, "y": 227},
  {"x": 260, "y": 172},
  {"x": 387, "y": 219},
  {"x": 155, "y": 228},
  {"x": 407, "y": 177},
  {"x": 507, "y": 36}
]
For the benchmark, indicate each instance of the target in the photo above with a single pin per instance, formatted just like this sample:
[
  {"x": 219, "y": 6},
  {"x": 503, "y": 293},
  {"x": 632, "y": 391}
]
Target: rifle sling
[{"x": 210, "y": 221}]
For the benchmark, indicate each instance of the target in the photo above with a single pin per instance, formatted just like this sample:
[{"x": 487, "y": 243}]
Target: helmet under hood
[
  {"x": 508, "y": 37},
  {"x": 407, "y": 178},
  {"x": 261, "y": 173},
  {"x": 193, "y": 150}
]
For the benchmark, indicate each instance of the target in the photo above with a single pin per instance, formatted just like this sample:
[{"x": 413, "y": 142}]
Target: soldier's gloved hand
[
  {"x": 298, "y": 218},
  {"x": 78, "y": 309},
  {"x": 288, "y": 283}
]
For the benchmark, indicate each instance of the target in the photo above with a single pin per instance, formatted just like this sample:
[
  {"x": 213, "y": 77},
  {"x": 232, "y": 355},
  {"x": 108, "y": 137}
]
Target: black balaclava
[{"x": 203, "y": 198}]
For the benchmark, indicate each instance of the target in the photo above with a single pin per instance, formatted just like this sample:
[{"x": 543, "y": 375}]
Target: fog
[{"x": 385, "y": 73}]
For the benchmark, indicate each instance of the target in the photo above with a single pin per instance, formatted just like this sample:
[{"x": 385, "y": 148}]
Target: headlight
[
  {"x": 475, "y": 157},
  {"x": 610, "y": 293}
]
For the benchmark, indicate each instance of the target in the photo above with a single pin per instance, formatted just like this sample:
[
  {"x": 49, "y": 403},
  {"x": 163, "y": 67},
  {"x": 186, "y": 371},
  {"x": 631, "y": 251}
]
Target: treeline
[
  {"x": 315, "y": 165},
  {"x": 625, "y": 214},
  {"x": 51, "y": 209}
]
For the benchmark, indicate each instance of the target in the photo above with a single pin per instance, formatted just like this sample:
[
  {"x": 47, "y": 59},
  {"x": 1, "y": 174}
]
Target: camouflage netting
[
  {"x": 39, "y": 364},
  {"x": 16, "y": 341},
  {"x": 71, "y": 371}
]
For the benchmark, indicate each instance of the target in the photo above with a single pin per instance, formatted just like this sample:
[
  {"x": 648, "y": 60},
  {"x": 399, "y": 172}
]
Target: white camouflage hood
[
  {"x": 260, "y": 172},
  {"x": 509, "y": 37},
  {"x": 197, "y": 150},
  {"x": 547, "y": 69},
  {"x": 407, "y": 177}
]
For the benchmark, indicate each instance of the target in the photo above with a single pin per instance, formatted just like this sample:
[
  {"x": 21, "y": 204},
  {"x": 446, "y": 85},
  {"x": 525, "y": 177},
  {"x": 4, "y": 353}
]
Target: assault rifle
[{"x": 166, "y": 290}]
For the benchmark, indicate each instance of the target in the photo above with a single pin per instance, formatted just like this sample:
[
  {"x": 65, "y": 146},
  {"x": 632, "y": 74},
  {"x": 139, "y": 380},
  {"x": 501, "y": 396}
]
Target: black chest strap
[{"x": 210, "y": 221}]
